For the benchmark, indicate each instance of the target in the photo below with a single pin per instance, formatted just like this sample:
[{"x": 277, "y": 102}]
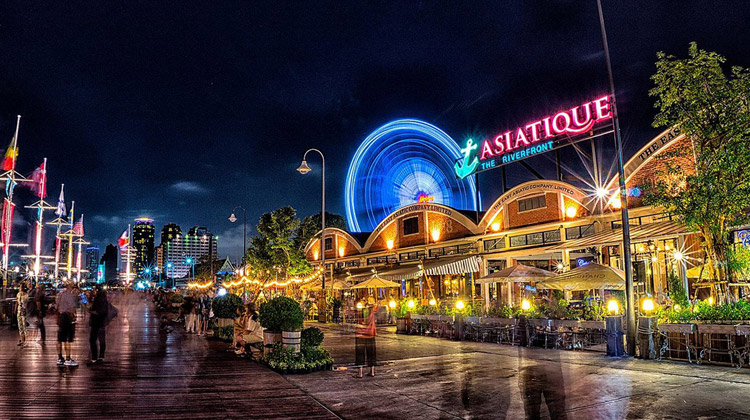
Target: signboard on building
[{"x": 566, "y": 127}]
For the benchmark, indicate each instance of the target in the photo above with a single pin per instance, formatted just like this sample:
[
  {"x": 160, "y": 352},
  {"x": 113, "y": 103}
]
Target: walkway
[{"x": 145, "y": 376}]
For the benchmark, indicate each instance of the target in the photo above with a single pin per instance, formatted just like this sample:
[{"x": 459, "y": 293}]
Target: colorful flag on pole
[
  {"x": 61, "y": 210},
  {"x": 124, "y": 239},
  {"x": 39, "y": 180},
  {"x": 9, "y": 161},
  {"x": 78, "y": 227}
]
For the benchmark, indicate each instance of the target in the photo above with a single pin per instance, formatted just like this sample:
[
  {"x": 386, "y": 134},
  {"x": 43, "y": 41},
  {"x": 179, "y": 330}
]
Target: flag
[
  {"x": 9, "y": 161},
  {"x": 78, "y": 227},
  {"x": 124, "y": 239},
  {"x": 61, "y": 210},
  {"x": 39, "y": 180}
]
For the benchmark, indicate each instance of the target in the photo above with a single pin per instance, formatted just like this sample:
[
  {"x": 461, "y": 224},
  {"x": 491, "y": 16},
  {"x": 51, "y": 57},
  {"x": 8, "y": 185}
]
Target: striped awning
[
  {"x": 455, "y": 265},
  {"x": 434, "y": 267},
  {"x": 651, "y": 231}
]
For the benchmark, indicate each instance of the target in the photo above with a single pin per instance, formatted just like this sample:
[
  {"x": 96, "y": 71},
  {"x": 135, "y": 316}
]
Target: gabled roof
[{"x": 226, "y": 267}]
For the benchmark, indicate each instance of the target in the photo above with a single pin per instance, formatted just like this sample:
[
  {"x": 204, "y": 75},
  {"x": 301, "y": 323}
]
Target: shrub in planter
[
  {"x": 312, "y": 337},
  {"x": 224, "y": 333},
  {"x": 281, "y": 314},
  {"x": 226, "y": 306}
]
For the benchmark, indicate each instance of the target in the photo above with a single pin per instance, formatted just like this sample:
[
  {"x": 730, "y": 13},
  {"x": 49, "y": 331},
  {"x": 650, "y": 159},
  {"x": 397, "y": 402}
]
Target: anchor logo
[{"x": 469, "y": 165}]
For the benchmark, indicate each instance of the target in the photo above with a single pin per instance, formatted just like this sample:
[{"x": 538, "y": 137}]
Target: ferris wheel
[{"x": 403, "y": 162}]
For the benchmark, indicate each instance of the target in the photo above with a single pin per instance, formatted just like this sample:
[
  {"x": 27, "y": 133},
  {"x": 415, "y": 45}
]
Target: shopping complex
[{"x": 416, "y": 225}]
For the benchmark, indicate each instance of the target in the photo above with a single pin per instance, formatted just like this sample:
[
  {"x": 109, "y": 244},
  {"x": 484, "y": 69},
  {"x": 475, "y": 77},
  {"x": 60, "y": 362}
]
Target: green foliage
[
  {"x": 739, "y": 261},
  {"x": 312, "y": 337},
  {"x": 593, "y": 310},
  {"x": 559, "y": 309},
  {"x": 274, "y": 246},
  {"x": 310, "y": 358},
  {"x": 676, "y": 291},
  {"x": 226, "y": 306},
  {"x": 706, "y": 186},
  {"x": 224, "y": 333},
  {"x": 503, "y": 311},
  {"x": 737, "y": 311},
  {"x": 310, "y": 226},
  {"x": 281, "y": 314},
  {"x": 176, "y": 298}
]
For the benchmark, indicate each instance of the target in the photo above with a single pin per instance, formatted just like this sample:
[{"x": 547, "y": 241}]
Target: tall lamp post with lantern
[
  {"x": 233, "y": 218},
  {"x": 304, "y": 169}
]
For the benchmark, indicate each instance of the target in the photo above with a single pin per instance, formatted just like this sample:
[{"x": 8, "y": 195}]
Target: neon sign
[
  {"x": 424, "y": 198},
  {"x": 563, "y": 128}
]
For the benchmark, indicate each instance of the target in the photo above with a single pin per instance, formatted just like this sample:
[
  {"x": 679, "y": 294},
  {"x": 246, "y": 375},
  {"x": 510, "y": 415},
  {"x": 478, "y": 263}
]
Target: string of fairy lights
[{"x": 245, "y": 279}]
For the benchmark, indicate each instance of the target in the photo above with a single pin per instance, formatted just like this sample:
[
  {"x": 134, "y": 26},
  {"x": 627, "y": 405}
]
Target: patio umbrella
[
  {"x": 590, "y": 276},
  {"x": 375, "y": 283},
  {"x": 518, "y": 273}
]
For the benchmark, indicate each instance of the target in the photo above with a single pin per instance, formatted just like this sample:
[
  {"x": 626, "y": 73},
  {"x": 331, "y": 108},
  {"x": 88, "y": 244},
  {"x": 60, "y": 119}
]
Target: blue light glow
[{"x": 398, "y": 163}]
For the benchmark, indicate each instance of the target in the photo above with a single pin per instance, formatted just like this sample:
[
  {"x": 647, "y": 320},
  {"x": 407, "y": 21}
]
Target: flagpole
[
  {"x": 58, "y": 238},
  {"x": 7, "y": 222},
  {"x": 69, "y": 266}
]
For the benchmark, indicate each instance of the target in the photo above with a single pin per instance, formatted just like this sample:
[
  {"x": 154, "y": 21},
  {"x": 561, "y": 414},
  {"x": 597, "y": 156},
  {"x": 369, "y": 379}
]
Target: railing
[
  {"x": 547, "y": 333},
  {"x": 720, "y": 344}
]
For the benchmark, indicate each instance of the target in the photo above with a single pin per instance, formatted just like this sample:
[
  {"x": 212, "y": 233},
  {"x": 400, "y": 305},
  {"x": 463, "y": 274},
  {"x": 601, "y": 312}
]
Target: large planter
[
  {"x": 291, "y": 340},
  {"x": 677, "y": 328},
  {"x": 592, "y": 325},
  {"x": 716, "y": 329},
  {"x": 271, "y": 337},
  {"x": 224, "y": 322},
  {"x": 563, "y": 323}
]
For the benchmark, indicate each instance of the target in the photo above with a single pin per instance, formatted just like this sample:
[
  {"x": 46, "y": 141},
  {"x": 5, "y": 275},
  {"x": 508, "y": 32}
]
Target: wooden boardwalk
[{"x": 145, "y": 376}]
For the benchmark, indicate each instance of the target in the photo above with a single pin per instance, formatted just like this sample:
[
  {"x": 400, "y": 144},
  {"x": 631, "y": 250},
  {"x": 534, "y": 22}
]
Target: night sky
[{"x": 181, "y": 110}]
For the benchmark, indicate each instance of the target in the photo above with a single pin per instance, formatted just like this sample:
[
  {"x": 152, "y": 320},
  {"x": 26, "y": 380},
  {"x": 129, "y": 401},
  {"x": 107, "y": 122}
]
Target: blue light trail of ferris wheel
[{"x": 403, "y": 162}]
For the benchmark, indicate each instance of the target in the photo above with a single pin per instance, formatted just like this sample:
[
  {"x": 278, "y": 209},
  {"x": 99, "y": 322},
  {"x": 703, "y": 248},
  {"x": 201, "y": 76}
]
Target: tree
[
  {"x": 273, "y": 252},
  {"x": 712, "y": 193},
  {"x": 310, "y": 226}
]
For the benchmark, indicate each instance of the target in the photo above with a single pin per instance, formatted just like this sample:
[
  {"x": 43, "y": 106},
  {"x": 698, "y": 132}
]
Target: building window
[
  {"x": 493, "y": 244},
  {"x": 532, "y": 203},
  {"x": 577, "y": 232},
  {"x": 329, "y": 244},
  {"x": 538, "y": 238},
  {"x": 408, "y": 256},
  {"x": 411, "y": 226}
]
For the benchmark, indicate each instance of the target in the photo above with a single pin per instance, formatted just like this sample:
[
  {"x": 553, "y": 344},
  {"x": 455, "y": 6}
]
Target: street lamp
[
  {"x": 233, "y": 218},
  {"x": 189, "y": 261},
  {"x": 304, "y": 169}
]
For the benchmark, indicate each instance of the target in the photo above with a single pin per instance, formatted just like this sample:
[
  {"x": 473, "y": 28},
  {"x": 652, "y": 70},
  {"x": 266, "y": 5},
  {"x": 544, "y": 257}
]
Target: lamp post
[
  {"x": 630, "y": 310},
  {"x": 189, "y": 260},
  {"x": 169, "y": 267},
  {"x": 304, "y": 169},
  {"x": 233, "y": 218}
]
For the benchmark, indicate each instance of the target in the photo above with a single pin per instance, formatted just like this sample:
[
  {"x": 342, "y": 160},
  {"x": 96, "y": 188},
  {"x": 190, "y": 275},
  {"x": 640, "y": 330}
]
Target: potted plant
[
  {"x": 282, "y": 319},
  {"x": 225, "y": 309}
]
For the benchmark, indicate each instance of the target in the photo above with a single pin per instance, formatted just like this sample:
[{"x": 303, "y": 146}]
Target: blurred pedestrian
[
  {"x": 364, "y": 338},
  {"x": 98, "y": 317},
  {"x": 37, "y": 307},
  {"x": 21, "y": 301},
  {"x": 66, "y": 303}
]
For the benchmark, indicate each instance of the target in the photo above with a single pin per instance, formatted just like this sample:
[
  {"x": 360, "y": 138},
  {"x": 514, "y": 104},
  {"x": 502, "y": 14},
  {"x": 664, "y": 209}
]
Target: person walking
[
  {"x": 188, "y": 308},
  {"x": 37, "y": 307},
  {"x": 66, "y": 303},
  {"x": 364, "y": 338},
  {"x": 21, "y": 301},
  {"x": 98, "y": 318}
]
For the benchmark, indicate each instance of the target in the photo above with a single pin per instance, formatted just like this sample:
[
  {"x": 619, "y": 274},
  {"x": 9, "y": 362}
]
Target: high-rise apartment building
[
  {"x": 143, "y": 244},
  {"x": 92, "y": 261},
  {"x": 184, "y": 251}
]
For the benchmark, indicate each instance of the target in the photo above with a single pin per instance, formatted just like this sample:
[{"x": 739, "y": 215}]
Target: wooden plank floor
[{"x": 145, "y": 376}]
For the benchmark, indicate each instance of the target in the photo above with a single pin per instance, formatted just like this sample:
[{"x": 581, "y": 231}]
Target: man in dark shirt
[{"x": 98, "y": 321}]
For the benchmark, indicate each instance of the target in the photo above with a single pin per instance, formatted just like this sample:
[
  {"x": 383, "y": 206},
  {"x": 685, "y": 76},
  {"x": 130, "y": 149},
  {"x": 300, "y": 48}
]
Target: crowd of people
[{"x": 34, "y": 302}]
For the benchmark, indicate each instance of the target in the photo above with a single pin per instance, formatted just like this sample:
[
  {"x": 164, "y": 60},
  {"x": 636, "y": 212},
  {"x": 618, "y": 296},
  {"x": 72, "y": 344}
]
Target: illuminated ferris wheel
[{"x": 403, "y": 162}]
